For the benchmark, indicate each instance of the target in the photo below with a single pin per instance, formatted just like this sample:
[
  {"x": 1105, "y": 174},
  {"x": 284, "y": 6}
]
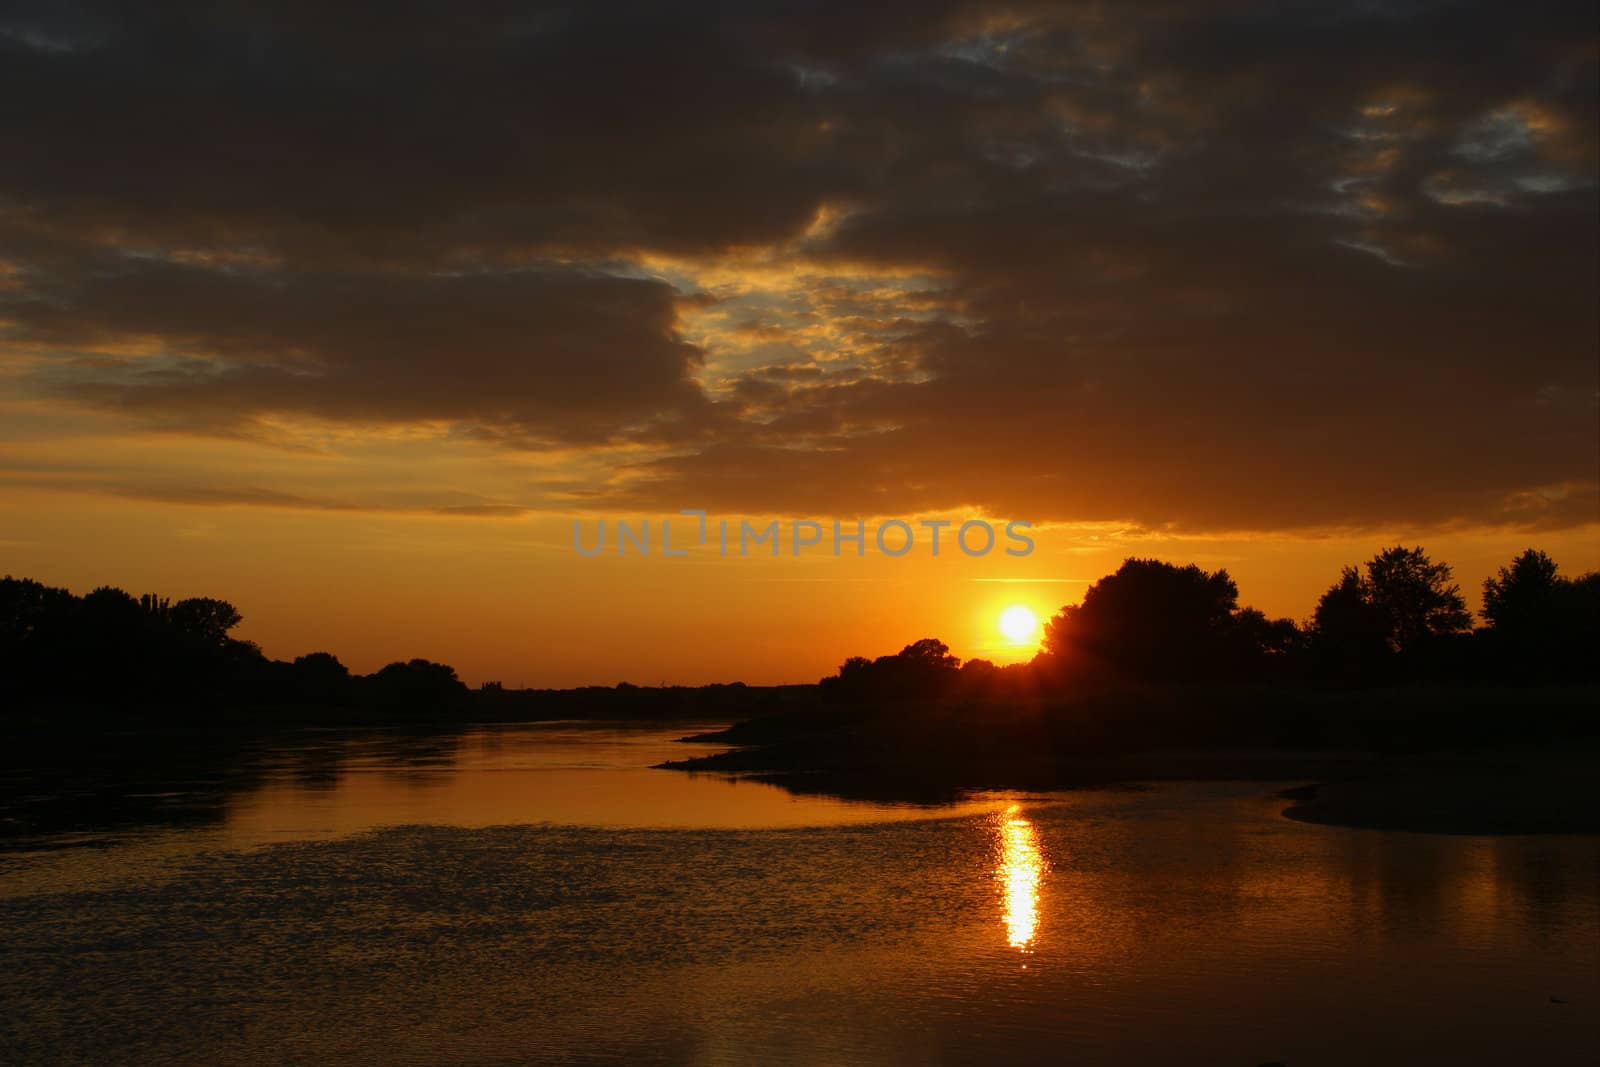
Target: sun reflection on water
[{"x": 1020, "y": 871}]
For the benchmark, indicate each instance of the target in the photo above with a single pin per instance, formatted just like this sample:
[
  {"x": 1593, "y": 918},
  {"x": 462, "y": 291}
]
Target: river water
[{"x": 536, "y": 894}]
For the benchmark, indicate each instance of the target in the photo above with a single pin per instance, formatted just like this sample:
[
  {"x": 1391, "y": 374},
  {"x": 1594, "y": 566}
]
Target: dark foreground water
[{"x": 534, "y": 895}]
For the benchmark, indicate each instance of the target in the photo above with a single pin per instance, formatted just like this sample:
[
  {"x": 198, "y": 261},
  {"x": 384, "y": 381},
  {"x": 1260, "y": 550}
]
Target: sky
[{"x": 347, "y": 319}]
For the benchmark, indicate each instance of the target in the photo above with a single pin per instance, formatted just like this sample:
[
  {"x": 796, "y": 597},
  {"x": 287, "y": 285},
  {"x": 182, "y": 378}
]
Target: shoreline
[
  {"x": 1535, "y": 791},
  {"x": 1554, "y": 795}
]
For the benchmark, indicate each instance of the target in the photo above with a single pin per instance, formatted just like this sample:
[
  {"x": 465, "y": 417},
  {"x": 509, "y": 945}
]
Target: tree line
[
  {"x": 149, "y": 660},
  {"x": 1398, "y": 618},
  {"x": 109, "y": 649}
]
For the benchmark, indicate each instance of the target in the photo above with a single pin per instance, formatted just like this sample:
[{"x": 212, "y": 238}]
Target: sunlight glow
[
  {"x": 1019, "y": 625},
  {"x": 1021, "y": 869}
]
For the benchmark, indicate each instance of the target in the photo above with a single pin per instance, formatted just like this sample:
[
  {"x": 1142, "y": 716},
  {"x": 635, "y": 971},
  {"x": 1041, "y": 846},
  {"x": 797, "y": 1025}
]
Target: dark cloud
[
  {"x": 409, "y": 139},
  {"x": 557, "y": 355},
  {"x": 1208, "y": 265},
  {"x": 210, "y": 496}
]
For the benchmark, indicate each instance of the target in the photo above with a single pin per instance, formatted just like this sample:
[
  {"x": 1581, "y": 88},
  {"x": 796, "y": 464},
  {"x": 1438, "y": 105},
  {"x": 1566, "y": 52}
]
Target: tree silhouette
[
  {"x": 319, "y": 678},
  {"x": 921, "y": 669},
  {"x": 157, "y": 608},
  {"x": 1418, "y": 600},
  {"x": 1262, "y": 648},
  {"x": 1368, "y": 627},
  {"x": 928, "y": 654},
  {"x": 1350, "y": 633},
  {"x": 111, "y": 608},
  {"x": 1153, "y": 621},
  {"x": 38, "y": 638},
  {"x": 1523, "y": 596},
  {"x": 205, "y": 619},
  {"x": 1541, "y": 625},
  {"x": 416, "y": 686}
]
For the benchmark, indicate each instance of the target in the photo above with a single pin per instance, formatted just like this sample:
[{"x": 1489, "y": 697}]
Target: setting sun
[{"x": 1019, "y": 625}]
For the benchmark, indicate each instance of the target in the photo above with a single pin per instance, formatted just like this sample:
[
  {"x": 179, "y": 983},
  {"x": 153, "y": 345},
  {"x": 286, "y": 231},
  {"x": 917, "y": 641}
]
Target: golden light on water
[{"x": 1020, "y": 872}]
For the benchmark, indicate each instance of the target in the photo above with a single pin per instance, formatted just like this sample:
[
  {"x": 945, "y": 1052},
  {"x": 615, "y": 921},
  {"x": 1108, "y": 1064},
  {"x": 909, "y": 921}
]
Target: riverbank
[
  {"x": 1442, "y": 761},
  {"x": 1530, "y": 793}
]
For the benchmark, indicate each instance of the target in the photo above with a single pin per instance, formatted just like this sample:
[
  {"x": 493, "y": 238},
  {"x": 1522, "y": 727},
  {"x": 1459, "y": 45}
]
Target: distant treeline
[
  {"x": 155, "y": 660},
  {"x": 1399, "y": 619}
]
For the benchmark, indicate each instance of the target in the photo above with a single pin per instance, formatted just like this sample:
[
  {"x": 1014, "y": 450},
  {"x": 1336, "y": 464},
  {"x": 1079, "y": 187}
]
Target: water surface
[{"x": 537, "y": 895}]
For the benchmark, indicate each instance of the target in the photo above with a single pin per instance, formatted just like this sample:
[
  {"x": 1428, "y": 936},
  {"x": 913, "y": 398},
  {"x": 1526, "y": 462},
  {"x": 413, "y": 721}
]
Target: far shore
[
  {"x": 1527, "y": 786},
  {"x": 1528, "y": 793}
]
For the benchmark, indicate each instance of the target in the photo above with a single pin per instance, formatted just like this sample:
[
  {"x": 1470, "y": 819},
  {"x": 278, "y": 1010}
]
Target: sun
[{"x": 1020, "y": 626}]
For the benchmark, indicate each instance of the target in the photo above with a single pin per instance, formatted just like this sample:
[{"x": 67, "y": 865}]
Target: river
[{"x": 537, "y": 894}]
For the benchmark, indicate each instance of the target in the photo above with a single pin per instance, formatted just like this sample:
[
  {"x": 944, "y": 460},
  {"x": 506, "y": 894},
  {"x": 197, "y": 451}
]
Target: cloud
[
  {"x": 191, "y": 494},
  {"x": 1195, "y": 266},
  {"x": 431, "y": 135},
  {"x": 554, "y": 354}
]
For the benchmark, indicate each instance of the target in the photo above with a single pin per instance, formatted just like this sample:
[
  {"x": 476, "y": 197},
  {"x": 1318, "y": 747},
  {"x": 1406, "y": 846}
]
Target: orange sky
[
  {"x": 344, "y": 319},
  {"x": 508, "y": 598}
]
